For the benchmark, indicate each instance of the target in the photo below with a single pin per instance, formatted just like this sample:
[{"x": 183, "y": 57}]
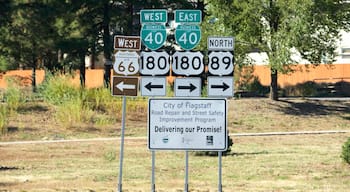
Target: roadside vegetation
[
  {"x": 70, "y": 110},
  {"x": 60, "y": 110},
  {"x": 346, "y": 151},
  {"x": 3, "y": 119},
  {"x": 75, "y": 106}
]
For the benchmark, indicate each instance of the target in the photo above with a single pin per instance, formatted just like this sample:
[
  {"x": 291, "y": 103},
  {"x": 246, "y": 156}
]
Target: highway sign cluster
[
  {"x": 189, "y": 122},
  {"x": 187, "y": 66}
]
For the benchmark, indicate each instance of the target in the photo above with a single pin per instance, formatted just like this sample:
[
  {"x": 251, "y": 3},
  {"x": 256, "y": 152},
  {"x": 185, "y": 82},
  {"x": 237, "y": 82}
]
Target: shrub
[
  {"x": 215, "y": 153},
  {"x": 73, "y": 112},
  {"x": 110, "y": 155},
  {"x": 59, "y": 89},
  {"x": 305, "y": 89},
  {"x": 13, "y": 96},
  {"x": 346, "y": 151},
  {"x": 100, "y": 99},
  {"x": 3, "y": 119}
]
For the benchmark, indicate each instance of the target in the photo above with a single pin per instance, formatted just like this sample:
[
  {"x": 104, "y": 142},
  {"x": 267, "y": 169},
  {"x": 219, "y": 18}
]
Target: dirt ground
[{"x": 278, "y": 163}]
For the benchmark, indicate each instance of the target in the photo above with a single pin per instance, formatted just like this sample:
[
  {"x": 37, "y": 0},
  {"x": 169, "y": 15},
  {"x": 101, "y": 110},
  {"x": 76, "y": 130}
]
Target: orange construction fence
[
  {"x": 324, "y": 73},
  {"x": 94, "y": 77}
]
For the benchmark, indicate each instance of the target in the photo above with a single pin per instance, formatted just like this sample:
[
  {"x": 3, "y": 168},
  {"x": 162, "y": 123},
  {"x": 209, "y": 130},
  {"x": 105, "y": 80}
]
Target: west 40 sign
[{"x": 153, "y": 35}]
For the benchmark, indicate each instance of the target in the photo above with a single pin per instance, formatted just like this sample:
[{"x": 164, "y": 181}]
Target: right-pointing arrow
[
  {"x": 224, "y": 86},
  {"x": 191, "y": 87},
  {"x": 149, "y": 86}
]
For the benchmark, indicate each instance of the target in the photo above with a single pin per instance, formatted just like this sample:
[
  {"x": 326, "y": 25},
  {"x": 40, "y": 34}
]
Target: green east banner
[{"x": 188, "y": 16}]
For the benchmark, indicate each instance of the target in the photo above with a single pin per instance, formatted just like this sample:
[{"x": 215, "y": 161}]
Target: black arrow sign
[
  {"x": 191, "y": 87},
  {"x": 149, "y": 86},
  {"x": 224, "y": 86}
]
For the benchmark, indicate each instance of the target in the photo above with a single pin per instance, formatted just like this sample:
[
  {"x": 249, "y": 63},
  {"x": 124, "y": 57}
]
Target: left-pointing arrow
[
  {"x": 224, "y": 86},
  {"x": 121, "y": 86},
  {"x": 149, "y": 86}
]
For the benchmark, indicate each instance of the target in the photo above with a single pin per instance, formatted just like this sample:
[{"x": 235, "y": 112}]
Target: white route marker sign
[{"x": 187, "y": 124}]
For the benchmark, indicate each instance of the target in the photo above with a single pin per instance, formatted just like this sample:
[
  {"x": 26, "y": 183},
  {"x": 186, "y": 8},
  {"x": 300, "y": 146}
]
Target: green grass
[
  {"x": 13, "y": 96},
  {"x": 3, "y": 119},
  {"x": 279, "y": 163}
]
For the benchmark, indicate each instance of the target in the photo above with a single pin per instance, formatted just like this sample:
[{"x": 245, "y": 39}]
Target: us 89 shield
[{"x": 220, "y": 63}]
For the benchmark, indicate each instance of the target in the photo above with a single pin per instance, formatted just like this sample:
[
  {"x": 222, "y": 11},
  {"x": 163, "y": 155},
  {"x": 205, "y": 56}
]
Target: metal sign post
[
  {"x": 121, "y": 155},
  {"x": 220, "y": 172},
  {"x": 153, "y": 189},
  {"x": 186, "y": 171}
]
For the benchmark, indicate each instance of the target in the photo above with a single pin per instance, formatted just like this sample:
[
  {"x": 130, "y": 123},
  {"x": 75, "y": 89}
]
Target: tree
[
  {"x": 29, "y": 36},
  {"x": 40, "y": 33},
  {"x": 5, "y": 11},
  {"x": 280, "y": 28}
]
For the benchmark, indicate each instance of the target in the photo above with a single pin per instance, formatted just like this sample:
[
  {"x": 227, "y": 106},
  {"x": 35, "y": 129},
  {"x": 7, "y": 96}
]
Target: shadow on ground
[{"x": 313, "y": 108}]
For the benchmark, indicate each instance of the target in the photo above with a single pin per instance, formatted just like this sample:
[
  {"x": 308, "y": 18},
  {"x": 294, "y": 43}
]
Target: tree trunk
[
  {"x": 93, "y": 56},
  {"x": 82, "y": 70},
  {"x": 34, "y": 78},
  {"x": 273, "y": 85},
  {"x": 107, "y": 46}
]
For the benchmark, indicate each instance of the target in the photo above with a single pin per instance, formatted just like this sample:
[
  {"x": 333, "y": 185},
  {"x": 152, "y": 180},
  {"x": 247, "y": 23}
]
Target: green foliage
[
  {"x": 100, "y": 98},
  {"x": 76, "y": 105},
  {"x": 170, "y": 90},
  {"x": 215, "y": 153},
  {"x": 3, "y": 119},
  {"x": 346, "y": 151},
  {"x": 301, "y": 89},
  {"x": 204, "y": 91},
  {"x": 249, "y": 83},
  {"x": 256, "y": 87},
  {"x": 70, "y": 100},
  {"x": 110, "y": 155},
  {"x": 58, "y": 89},
  {"x": 29, "y": 35},
  {"x": 280, "y": 29},
  {"x": 73, "y": 112},
  {"x": 13, "y": 96},
  {"x": 4, "y": 66}
]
